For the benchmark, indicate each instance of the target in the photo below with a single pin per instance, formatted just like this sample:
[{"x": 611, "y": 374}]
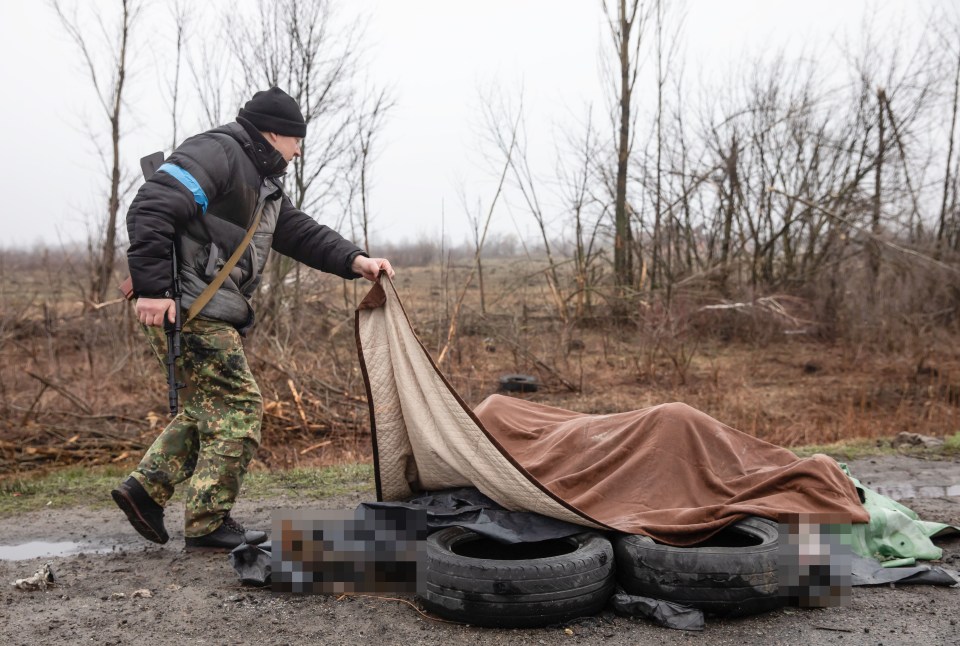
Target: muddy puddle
[
  {"x": 43, "y": 549},
  {"x": 900, "y": 491}
]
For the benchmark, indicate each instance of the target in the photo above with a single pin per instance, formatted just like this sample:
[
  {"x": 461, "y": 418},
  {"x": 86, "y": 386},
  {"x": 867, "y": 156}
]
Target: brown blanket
[{"x": 669, "y": 471}]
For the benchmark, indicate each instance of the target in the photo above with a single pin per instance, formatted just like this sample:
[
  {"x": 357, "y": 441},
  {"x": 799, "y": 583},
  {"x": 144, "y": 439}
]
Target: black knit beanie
[{"x": 275, "y": 111}]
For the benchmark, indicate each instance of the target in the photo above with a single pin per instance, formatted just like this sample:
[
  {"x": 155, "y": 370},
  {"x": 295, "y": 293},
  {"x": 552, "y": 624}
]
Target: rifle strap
[{"x": 221, "y": 276}]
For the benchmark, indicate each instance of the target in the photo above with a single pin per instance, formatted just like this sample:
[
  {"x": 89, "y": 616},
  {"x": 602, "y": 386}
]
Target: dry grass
[{"x": 82, "y": 388}]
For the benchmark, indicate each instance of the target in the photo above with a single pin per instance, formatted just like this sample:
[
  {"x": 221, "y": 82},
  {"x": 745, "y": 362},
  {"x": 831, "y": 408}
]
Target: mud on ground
[{"x": 197, "y": 599}]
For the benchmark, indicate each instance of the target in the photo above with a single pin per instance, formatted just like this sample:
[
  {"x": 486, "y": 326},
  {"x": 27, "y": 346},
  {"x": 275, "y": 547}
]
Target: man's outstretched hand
[{"x": 370, "y": 268}]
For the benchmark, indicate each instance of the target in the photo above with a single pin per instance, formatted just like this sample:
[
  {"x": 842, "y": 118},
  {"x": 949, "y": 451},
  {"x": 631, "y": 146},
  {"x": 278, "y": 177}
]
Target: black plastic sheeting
[
  {"x": 252, "y": 563},
  {"x": 663, "y": 613},
  {"x": 470, "y": 509},
  {"x": 871, "y": 572}
]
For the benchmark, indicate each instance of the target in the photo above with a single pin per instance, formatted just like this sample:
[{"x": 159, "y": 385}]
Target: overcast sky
[{"x": 436, "y": 55}]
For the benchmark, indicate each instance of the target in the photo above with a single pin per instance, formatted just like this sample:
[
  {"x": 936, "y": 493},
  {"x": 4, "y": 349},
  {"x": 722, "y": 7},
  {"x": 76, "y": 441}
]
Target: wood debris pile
[{"x": 300, "y": 426}]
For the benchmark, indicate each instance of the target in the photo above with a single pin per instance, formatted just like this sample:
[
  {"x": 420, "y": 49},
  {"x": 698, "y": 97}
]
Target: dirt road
[{"x": 196, "y": 598}]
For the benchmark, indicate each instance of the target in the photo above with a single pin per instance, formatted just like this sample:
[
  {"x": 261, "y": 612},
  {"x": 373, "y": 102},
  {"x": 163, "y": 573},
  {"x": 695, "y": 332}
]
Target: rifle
[
  {"x": 149, "y": 165},
  {"x": 173, "y": 331}
]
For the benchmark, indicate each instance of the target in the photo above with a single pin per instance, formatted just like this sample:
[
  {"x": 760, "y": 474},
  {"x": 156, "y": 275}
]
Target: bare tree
[
  {"x": 666, "y": 55},
  {"x": 577, "y": 198},
  {"x": 368, "y": 125},
  {"x": 300, "y": 46},
  {"x": 877, "y": 191},
  {"x": 454, "y": 317},
  {"x": 508, "y": 134},
  {"x": 952, "y": 43},
  {"x": 181, "y": 19},
  {"x": 210, "y": 71},
  {"x": 627, "y": 26},
  {"x": 109, "y": 94},
  {"x": 476, "y": 220}
]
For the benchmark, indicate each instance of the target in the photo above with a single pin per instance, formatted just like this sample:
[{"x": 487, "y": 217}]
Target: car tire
[
  {"x": 475, "y": 580},
  {"x": 732, "y": 574}
]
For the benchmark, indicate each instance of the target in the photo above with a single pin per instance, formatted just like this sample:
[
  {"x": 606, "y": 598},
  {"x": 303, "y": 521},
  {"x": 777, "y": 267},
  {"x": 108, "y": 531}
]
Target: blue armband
[{"x": 189, "y": 181}]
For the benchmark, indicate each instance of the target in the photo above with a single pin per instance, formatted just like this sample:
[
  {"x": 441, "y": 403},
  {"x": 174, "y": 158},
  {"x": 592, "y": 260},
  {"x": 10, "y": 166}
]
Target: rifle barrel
[
  {"x": 172, "y": 371},
  {"x": 173, "y": 331}
]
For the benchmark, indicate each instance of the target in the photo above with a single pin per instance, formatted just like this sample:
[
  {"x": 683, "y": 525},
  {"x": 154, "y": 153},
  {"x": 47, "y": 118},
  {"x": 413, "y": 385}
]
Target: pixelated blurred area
[
  {"x": 370, "y": 551},
  {"x": 815, "y": 560}
]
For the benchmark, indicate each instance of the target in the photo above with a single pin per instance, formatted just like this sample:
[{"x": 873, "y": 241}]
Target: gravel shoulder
[{"x": 197, "y": 599}]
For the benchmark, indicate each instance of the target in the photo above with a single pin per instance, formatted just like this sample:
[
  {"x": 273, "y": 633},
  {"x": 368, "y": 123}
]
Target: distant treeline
[{"x": 831, "y": 175}]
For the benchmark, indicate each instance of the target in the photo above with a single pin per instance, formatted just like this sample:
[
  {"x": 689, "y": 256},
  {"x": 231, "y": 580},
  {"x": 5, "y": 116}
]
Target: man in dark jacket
[{"x": 203, "y": 199}]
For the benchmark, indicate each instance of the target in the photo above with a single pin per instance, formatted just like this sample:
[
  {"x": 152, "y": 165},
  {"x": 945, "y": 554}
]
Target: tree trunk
[
  {"x": 877, "y": 190},
  {"x": 946, "y": 172},
  {"x": 104, "y": 270},
  {"x": 623, "y": 241},
  {"x": 729, "y": 212},
  {"x": 655, "y": 244}
]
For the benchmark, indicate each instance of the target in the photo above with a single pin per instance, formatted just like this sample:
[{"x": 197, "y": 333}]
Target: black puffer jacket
[{"x": 205, "y": 196}]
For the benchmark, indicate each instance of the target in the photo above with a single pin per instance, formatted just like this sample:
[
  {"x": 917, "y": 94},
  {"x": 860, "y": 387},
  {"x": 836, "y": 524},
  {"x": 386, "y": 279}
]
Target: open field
[{"x": 80, "y": 387}]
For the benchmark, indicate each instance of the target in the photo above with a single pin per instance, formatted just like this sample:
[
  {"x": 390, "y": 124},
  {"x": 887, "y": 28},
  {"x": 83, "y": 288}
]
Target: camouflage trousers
[{"x": 215, "y": 435}]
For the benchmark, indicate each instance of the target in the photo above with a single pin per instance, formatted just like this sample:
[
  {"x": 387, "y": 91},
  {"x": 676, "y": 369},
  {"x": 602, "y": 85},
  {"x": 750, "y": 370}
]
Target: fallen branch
[
  {"x": 33, "y": 404},
  {"x": 316, "y": 446},
  {"x": 767, "y": 304},
  {"x": 113, "y": 416},
  {"x": 74, "y": 399},
  {"x": 313, "y": 381},
  {"x": 299, "y": 402},
  {"x": 422, "y": 613},
  {"x": 100, "y": 306},
  {"x": 836, "y": 630}
]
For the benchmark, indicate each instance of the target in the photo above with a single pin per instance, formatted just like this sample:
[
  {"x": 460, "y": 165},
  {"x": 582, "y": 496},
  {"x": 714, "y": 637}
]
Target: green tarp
[{"x": 895, "y": 535}]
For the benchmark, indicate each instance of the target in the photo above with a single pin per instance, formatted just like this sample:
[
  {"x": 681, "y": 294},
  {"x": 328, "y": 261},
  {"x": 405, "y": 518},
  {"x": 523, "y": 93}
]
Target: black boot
[
  {"x": 144, "y": 514},
  {"x": 229, "y": 535}
]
